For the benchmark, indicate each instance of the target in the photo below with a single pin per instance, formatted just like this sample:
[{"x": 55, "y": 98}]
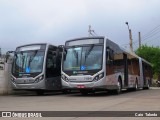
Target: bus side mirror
[
  {"x": 63, "y": 51},
  {"x": 64, "y": 54},
  {"x": 61, "y": 46}
]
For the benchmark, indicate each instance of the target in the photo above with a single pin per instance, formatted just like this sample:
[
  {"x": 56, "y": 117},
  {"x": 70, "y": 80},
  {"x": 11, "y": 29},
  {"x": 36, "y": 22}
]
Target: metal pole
[
  {"x": 0, "y": 52},
  {"x": 131, "y": 41},
  {"x": 139, "y": 36},
  {"x": 130, "y": 37},
  {"x": 89, "y": 31}
]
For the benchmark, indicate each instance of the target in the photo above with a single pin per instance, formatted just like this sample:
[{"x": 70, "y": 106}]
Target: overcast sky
[{"x": 55, "y": 21}]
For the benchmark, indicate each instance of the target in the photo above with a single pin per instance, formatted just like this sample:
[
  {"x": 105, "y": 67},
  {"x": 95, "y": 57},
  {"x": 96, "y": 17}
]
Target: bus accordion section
[
  {"x": 37, "y": 67},
  {"x": 92, "y": 64}
]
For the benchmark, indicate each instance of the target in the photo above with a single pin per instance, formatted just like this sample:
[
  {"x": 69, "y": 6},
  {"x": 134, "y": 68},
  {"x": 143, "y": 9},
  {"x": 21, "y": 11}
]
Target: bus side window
[{"x": 109, "y": 56}]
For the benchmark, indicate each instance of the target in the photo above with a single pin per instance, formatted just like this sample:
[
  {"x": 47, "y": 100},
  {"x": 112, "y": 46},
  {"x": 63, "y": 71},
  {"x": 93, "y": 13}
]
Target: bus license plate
[{"x": 80, "y": 86}]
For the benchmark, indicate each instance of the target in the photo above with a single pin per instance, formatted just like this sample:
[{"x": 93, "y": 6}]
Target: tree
[{"x": 152, "y": 55}]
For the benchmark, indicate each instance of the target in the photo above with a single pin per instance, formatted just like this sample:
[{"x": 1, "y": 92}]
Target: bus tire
[
  {"x": 136, "y": 86},
  {"x": 84, "y": 92},
  {"x": 40, "y": 92},
  {"x": 119, "y": 88},
  {"x": 148, "y": 86},
  {"x": 66, "y": 91}
]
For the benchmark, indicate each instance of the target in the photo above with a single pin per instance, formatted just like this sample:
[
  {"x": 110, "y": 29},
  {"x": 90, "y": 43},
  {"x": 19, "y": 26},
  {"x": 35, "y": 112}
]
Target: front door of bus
[{"x": 53, "y": 72}]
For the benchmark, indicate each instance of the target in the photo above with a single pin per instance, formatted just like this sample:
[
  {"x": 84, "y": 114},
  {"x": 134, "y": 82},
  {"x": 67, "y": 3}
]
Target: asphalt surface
[{"x": 141, "y": 100}]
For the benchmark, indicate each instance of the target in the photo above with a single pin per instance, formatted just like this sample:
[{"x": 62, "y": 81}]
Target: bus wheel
[
  {"x": 40, "y": 92},
  {"x": 66, "y": 91},
  {"x": 84, "y": 92},
  {"x": 119, "y": 88},
  {"x": 148, "y": 86},
  {"x": 136, "y": 86}
]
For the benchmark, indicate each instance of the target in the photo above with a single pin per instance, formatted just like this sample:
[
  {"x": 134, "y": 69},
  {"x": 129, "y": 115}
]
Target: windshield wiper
[
  {"x": 89, "y": 51},
  {"x": 31, "y": 59},
  {"x": 76, "y": 55},
  {"x": 23, "y": 57}
]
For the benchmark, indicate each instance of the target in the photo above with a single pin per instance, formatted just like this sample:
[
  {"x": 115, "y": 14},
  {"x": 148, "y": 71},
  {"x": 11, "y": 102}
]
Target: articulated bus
[
  {"x": 96, "y": 63},
  {"x": 37, "y": 67}
]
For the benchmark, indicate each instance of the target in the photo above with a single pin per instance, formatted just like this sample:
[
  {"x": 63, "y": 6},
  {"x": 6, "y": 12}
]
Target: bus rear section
[
  {"x": 146, "y": 73},
  {"x": 36, "y": 67}
]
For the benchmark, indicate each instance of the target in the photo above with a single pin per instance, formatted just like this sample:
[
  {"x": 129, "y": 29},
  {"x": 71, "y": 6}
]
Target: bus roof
[
  {"x": 35, "y": 44},
  {"x": 118, "y": 49},
  {"x": 81, "y": 38}
]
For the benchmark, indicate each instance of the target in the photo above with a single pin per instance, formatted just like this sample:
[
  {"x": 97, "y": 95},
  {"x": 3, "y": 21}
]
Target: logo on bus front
[
  {"x": 28, "y": 70},
  {"x": 83, "y": 67},
  {"x": 80, "y": 72}
]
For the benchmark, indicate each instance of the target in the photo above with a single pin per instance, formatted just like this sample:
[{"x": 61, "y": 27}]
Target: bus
[
  {"x": 37, "y": 67},
  {"x": 97, "y": 63}
]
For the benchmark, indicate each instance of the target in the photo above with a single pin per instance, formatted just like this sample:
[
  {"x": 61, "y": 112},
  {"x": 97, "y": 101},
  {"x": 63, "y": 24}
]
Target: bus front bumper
[
  {"x": 33, "y": 86},
  {"x": 88, "y": 85}
]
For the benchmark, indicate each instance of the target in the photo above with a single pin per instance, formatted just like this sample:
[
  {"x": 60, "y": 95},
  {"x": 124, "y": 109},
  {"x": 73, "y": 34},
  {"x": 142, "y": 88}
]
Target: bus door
[
  {"x": 141, "y": 72},
  {"x": 125, "y": 70},
  {"x": 110, "y": 63},
  {"x": 144, "y": 68},
  {"x": 53, "y": 71}
]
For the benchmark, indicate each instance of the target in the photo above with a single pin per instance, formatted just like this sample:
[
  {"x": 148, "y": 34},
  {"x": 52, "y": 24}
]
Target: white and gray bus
[
  {"x": 37, "y": 67},
  {"x": 96, "y": 63}
]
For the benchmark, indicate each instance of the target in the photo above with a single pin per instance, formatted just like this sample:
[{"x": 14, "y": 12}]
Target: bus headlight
[
  {"x": 99, "y": 76},
  {"x": 64, "y": 78},
  {"x": 39, "y": 78}
]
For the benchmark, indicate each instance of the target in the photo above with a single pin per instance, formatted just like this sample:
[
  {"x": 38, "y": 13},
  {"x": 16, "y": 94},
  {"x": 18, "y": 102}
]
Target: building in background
[{"x": 5, "y": 73}]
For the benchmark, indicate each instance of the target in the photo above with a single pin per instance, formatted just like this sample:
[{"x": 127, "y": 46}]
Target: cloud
[
  {"x": 39, "y": 17},
  {"x": 28, "y": 21}
]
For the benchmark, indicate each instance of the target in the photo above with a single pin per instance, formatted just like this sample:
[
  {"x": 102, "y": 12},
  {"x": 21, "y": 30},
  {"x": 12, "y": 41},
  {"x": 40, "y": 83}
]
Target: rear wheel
[
  {"x": 135, "y": 88},
  {"x": 148, "y": 86}
]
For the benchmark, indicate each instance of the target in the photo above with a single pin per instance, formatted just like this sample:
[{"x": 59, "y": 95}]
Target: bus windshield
[
  {"x": 83, "y": 58},
  {"x": 28, "y": 62}
]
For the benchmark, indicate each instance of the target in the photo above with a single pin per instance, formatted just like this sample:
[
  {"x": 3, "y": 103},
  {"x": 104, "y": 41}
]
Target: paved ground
[{"x": 142, "y": 100}]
